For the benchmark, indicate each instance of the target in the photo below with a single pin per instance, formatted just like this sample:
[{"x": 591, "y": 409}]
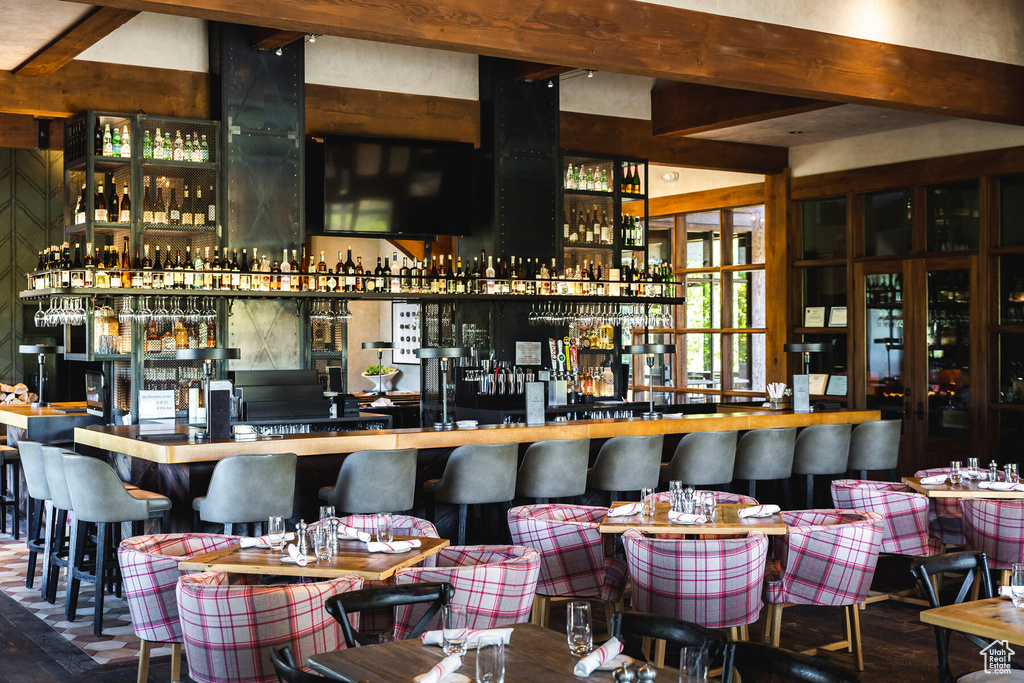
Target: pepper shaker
[
  {"x": 334, "y": 536},
  {"x": 301, "y": 530},
  {"x": 623, "y": 675},
  {"x": 646, "y": 673}
]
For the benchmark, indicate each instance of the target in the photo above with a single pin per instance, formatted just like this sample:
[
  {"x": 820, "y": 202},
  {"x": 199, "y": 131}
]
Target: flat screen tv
[{"x": 368, "y": 186}]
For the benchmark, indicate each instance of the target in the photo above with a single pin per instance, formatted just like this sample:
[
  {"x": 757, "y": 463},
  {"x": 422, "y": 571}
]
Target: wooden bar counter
[{"x": 47, "y": 424}]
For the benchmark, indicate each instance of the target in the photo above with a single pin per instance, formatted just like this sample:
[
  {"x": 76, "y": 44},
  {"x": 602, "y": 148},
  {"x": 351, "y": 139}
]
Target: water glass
[
  {"x": 326, "y": 512},
  {"x": 710, "y": 505},
  {"x": 693, "y": 665},
  {"x": 1014, "y": 475},
  {"x": 647, "y": 498},
  {"x": 973, "y": 472},
  {"x": 275, "y": 530},
  {"x": 454, "y": 631},
  {"x": 578, "y": 628},
  {"x": 490, "y": 660},
  {"x": 956, "y": 474},
  {"x": 321, "y": 536},
  {"x": 384, "y": 531},
  {"x": 1017, "y": 585}
]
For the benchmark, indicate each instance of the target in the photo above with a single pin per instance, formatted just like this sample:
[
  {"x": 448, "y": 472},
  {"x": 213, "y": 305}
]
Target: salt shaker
[
  {"x": 646, "y": 673},
  {"x": 993, "y": 471},
  {"x": 301, "y": 530},
  {"x": 334, "y": 537},
  {"x": 623, "y": 675}
]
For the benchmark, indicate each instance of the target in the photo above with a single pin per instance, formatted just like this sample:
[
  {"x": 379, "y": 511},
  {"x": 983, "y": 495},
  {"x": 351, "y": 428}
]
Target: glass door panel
[
  {"x": 949, "y": 340},
  {"x": 883, "y": 325}
]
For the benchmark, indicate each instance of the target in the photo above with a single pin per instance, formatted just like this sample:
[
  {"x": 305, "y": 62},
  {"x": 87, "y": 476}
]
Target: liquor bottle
[
  {"x": 108, "y": 142},
  {"x": 197, "y": 267},
  {"x": 126, "y": 206},
  {"x": 147, "y": 146},
  {"x": 179, "y": 147},
  {"x": 177, "y": 278},
  {"x": 295, "y": 279},
  {"x": 565, "y": 226},
  {"x": 188, "y": 279},
  {"x": 211, "y": 208},
  {"x": 198, "y": 208},
  {"x": 159, "y": 209},
  {"x": 113, "y": 205},
  {"x": 379, "y": 275},
  {"x": 349, "y": 270},
  {"x": 596, "y": 228},
  {"x": 147, "y": 206},
  {"x": 100, "y": 205},
  {"x": 359, "y": 275},
  {"x": 158, "y": 266},
  {"x": 581, "y": 227},
  {"x": 430, "y": 284},
  {"x": 97, "y": 146},
  {"x": 405, "y": 276},
  {"x": 126, "y": 143},
  {"x": 244, "y": 278},
  {"x": 115, "y": 143},
  {"x": 89, "y": 262},
  {"x": 567, "y": 180},
  {"x": 173, "y": 209},
  {"x": 158, "y": 146},
  {"x": 80, "y": 208},
  {"x": 187, "y": 210},
  {"x": 442, "y": 275},
  {"x": 204, "y": 150},
  {"x": 126, "y": 266}
]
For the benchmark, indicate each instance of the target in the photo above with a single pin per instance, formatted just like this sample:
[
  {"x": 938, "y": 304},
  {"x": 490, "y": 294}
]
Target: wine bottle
[
  {"x": 211, "y": 208},
  {"x": 198, "y": 208},
  {"x": 349, "y": 269},
  {"x": 126, "y": 206},
  {"x": 108, "y": 141},
  {"x": 157, "y": 277},
  {"x": 97, "y": 147},
  {"x": 100, "y": 205},
  {"x": 80, "y": 209},
  {"x": 126, "y": 143},
  {"x": 147, "y": 205},
  {"x": 173, "y": 209},
  {"x": 113, "y": 205},
  {"x": 147, "y": 146},
  {"x": 158, "y": 146},
  {"x": 159, "y": 209},
  {"x": 244, "y": 279},
  {"x": 187, "y": 210}
]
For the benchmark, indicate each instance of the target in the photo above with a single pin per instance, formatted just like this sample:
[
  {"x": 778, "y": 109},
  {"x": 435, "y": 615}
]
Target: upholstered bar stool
[
  {"x": 627, "y": 463},
  {"x": 38, "y": 535},
  {"x": 821, "y": 449},
  {"x": 764, "y": 455},
  {"x": 10, "y": 490},
  {"x": 875, "y": 445},
  {"x": 374, "y": 481},
  {"x": 556, "y": 468},
  {"x": 248, "y": 489},
  {"x": 59, "y": 543},
  {"x": 702, "y": 459},
  {"x": 476, "y": 475},
  {"x": 99, "y": 498}
]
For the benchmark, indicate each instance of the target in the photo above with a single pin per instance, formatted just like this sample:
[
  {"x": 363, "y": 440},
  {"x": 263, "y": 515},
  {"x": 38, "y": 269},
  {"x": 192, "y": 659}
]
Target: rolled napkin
[
  {"x": 1000, "y": 486},
  {"x": 264, "y": 541},
  {"x": 686, "y": 518},
  {"x": 434, "y": 637},
  {"x": 934, "y": 479},
  {"x": 599, "y": 657},
  {"x": 626, "y": 510},
  {"x": 350, "y": 533},
  {"x": 757, "y": 511},
  {"x": 437, "y": 673},
  {"x": 394, "y": 546},
  {"x": 295, "y": 556}
]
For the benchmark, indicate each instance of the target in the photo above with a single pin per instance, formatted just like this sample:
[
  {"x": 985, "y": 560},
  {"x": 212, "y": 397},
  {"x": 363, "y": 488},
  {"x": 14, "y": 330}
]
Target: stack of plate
[{"x": 466, "y": 424}]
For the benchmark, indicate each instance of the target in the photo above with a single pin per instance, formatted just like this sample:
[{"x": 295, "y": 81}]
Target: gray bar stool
[
  {"x": 875, "y": 445},
  {"x": 100, "y": 498},
  {"x": 766, "y": 454},
  {"x": 556, "y": 468},
  {"x": 627, "y": 463},
  {"x": 248, "y": 489},
  {"x": 9, "y": 479},
  {"x": 38, "y": 533},
  {"x": 374, "y": 481},
  {"x": 60, "y": 498},
  {"x": 821, "y": 449},
  {"x": 702, "y": 459},
  {"x": 476, "y": 475}
]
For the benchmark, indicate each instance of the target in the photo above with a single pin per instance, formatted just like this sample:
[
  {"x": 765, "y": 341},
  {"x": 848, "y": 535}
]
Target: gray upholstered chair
[
  {"x": 248, "y": 489},
  {"x": 556, "y": 468},
  {"x": 10, "y": 490},
  {"x": 821, "y": 449},
  {"x": 374, "y": 481},
  {"x": 60, "y": 543},
  {"x": 100, "y": 498},
  {"x": 627, "y": 463},
  {"x": 476, "y": 475},
  {"x": 763, "y": 455},
  {"x": 875, "y": 445},
  {"x": 38, "y": 490},
  {"x": 702, "y": 459}
]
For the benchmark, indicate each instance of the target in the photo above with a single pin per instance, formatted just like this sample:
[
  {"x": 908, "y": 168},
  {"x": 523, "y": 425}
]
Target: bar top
[
  {"x": 18, "y": 416},
  {"x": 126, "y": 439}
]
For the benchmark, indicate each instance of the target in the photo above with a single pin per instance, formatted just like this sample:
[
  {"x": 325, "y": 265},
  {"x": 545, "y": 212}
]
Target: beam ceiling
[{"x": 77, "y": 39}]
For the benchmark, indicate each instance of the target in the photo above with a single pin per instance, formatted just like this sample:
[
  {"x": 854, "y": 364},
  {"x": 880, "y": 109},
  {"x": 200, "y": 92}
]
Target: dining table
[
  {"x": 966, "y": 489},
  {"x": 994, "y": 618},
  {"x": 534, "y": 655}
]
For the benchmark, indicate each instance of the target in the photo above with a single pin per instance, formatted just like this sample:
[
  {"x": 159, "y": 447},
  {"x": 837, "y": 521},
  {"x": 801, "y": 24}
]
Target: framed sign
[
  {"x": 814, "y": 316},
  {"x": 528, "y": 353},
  {"x": 816, "y": 384},
  {"x": 156, "y": 404},
  {"x": 836, "y": 386},
  {"x": 837, "y": 316}
]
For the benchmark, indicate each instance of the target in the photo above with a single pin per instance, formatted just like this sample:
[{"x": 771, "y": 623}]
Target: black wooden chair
[
  {"x": 632, "y": 627},
  {"x": 384, "y": 597},
  {"x": 752, "y": 659},
  {"x": 288, "y": 670}
]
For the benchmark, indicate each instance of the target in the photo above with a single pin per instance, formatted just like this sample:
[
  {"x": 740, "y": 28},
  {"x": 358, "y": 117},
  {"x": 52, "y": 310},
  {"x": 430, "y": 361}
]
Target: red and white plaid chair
[
  {"x": 572, "y": 561},
  {"x": 494, "y": 584},
  {"x": 996, "y": 528},
  {"x": 230, "y": 628},
  {"x": 828, "y": 558},
  {"x": 904, "y": 514},
  {"x": 721, "y": 497},
  {"x": 149, "y": 575},
  {"x": 944, "y": 516}
]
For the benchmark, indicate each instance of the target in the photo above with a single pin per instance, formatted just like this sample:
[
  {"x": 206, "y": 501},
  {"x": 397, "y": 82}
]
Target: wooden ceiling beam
[
  {"x": 679, "y": 109},
  {"x": 649, "y": 39},
  {"x": 270, "y": 39},
  {"x": 87, "y": 32},
  {"x": 535, "y": 71}
]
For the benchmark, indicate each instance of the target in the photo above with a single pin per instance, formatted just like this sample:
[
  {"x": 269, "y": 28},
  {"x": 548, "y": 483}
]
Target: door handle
[{"x": 920, "y": 410}]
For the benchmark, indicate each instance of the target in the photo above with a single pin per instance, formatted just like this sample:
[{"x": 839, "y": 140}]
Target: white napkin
[
  {"x": 378, "y": 547},
  {"x": 598, "y": 657},
  {"x": 686, "y": 518},
  {"x": 626, "y": 510},
  {"x": 350, "y": 533},
  {"x": 1000, "y": 486},
  {"x": 295, "y": 556},
  {"x": 434, "y": 637},
  {"x": 758, "y": 511},
  {"x": 446, "y": 666},
  {"x": 934, "y": 480},
  {"x": 264, "y": 541},
  {"x": 382, "y": 403}
]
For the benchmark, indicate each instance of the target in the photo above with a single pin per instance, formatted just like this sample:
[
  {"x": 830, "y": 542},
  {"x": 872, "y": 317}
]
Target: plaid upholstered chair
[
  {"x": 944, "y": 516},
  {"x": 149, "y": 574},
  {"x": 572, "y": 561},
  {"x": 712, "y": 583},
  {"x": 721, "y": 497},
  {"x": 230, "y": 628},
  {"x": 994, "y": 527},
  {"x": 494, "y": 584},
  {"x": 827, "y": 558}
]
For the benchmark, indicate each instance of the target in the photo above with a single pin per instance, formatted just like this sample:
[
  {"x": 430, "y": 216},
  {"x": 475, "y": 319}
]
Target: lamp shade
[
  {"x": 378, "y": 345},
  {"x": 638, "y": 349},
  {"x": 806, "y": 348},
  {"x": 208, "y": 353},
  {"x": 40, "y": 348},
  {"x": 442, "y": 352}
]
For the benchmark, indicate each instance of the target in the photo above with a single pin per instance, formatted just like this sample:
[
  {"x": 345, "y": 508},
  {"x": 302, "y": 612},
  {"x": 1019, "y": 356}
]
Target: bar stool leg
[
  {"x": 175, "y": 662},
  {"x": 76, "y": 558},
  {"x": 810, "y": 491},
  {"x": 58, "y": 527},
  {"x": 463, "y": 509},
  {"x": 17, "y": 501},
  {"x": 3, "y": 497},
  {"x": 35, "y": 513},
  {"x": 143, "y": 675},
  {"x": 102, "y": 532},
  {"x": 787, "y": 498}
]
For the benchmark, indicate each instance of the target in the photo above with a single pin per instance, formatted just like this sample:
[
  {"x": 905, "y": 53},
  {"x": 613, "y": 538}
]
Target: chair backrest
[
  {"x": 703, "y": 459},
  {"x": 149, "y": 573},
  {"x": 715, "y": 583},
  {"x": 53, "y": 463},
  {"x": 904, "y": 513},
  {"x": 401, "y": 525},
  {"x": 822, "y": 449},
  {"x": 480, "y": 473},
  {"x": 875, "y": 445},
  {"x": 828, "y": 557},
  {"x": 97, "y": 494},
  {"x": 250, "y": 488},
  {"x": 376, "y": 481},
  {"x": 344, "y": 605},
  {"x": 994, "y": 528},
  {"x": 230, "y": 629},
  {"x": 31, "y": 454},
  {"x": 751, "y": 659},
  {"x": 494, "y": 584},
  {"x": 628, "y": 463},
  {"x": 556, "y": 468},
  {"x": 288, "y": 669},
  {"x": 727, "y": 497},
  {"x": 632, "y": 627},
  {"x": 765, "y": 454}
]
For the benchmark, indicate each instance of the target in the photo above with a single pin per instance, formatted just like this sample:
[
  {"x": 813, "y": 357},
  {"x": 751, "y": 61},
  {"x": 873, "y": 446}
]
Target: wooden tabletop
[
  {"x": 18, "y": 416},
  {"x": 994, "y": 618},
  {"x": 968, "y": 489},
  {"x": 352, "y": 558},
  {"x": 726, "y": 521},
  {"x": 533, "y": 655}
]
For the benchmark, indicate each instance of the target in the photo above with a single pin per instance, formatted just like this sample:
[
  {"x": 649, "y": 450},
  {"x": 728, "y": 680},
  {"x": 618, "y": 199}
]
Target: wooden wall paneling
[
  {"x": 986, "y": 289},
  {"x": 853, "y": 302},
  {"x": 18, "y": 131},
  {"x": 726, "y": 197},
  {"x": 85, "y": 33},
  {"x": 725, "y": 339},
  {"x": 778, "y": 275}
]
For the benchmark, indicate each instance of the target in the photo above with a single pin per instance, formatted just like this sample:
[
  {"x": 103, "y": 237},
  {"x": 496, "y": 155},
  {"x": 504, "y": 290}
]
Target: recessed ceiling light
[
  {"x": 670, "y": 177},
  {"x": 796, "y": 132}
]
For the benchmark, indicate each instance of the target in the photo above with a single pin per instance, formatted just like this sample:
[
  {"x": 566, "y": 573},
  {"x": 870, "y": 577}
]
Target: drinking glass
[
  {"x": 578, "y": 628},
  {"x": 693, "y": 665},
  {"x": 384, "y": 531},
  {"x": 647, "y": 498},
  {"x": 326, "y": 512},
  {"x": 956, "y": 475},
  {"x": 490, "y": 660},
  {"x": 1014, "y": 476},
  {"x": 275, "y": 529},
  {"x": 322, "y": 543},
  {"x": 1017, "y": 585},
  {"x": 972, "y": 469},
  {"x": 454, "y": 631}
]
